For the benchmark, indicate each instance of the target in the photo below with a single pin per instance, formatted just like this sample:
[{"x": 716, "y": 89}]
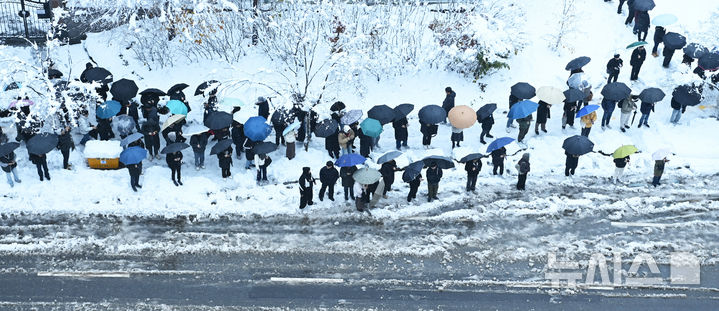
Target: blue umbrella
[
  {"x": 616, "y": 91},
  {"x": 577, "y": 63},
  {"x": 371, "y": 127},
  {"x": 257, "y": 129},
  {"x": 522, "y": 109},
  {"x": 587, "y": 110},
  {"x": 499, "y": 143},
  {"x": 572, "y": 95},
  {"x": 350, "y": 159},
  {"x": 218, "y": 120},
  {"x": 664, "y": 20},
  {"x": 351, "y": 116},
  {"x": 5, "y": 149},
  {"x": 673, "y": 40},
  {"x": 389, "y": 156},
  {"x": 687, "y": 95},
  {"x": 695, "y": 50},
  {"x": 108, "y": 109},
  {"x": 709, "y": 61},
  {"x": 644, "y": 5},
  {"x": 578, "y": 145},
  {"x": 326, "y": 128},
  {"x": 133, "y": 155},
  {"x": 130, "y": 139},
  {"x": 292, "y": 127},
  {"x": 412, "y": 171},
  {"x": 432, "y": 114},
  {"x": 523, "y": 90},
  {"x": 651, "y": 95},
  {"x": 176, "y": 107},
  {"x": 221, "y": 146},
  {"x": 402, "y": 110},
  {"x": 485, "y": 111}
]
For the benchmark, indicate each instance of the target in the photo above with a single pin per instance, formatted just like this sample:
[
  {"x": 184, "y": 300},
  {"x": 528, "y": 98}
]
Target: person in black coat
[
  {"x": 631, "y": 14},
  {"x": 522, "y": 170},
  {"x": 104, "y": 129},
  {"x": 8, "y": 163},
  {"x": 238, "y": 137},
  {"x": 646, "y": 108},
  {"x": 180, "y": 95},
  {"x": 387, "y": 170},
  {"x": 472, "y": 167},
  {"x": 639, "y": 55},
  {"x": 668, "y": 54},
  {"x": 365, "y": 143},
  {"x": 613, "y": 67},
  {"x": 620, "y": 164},
  {"x": 659, "y": 33},
  {"x": 135, "y": 170},
  {"x": 249, "y": 154},
  {"x": 400, "y": 132},
  {"x": 513, "y": 100},
  {"x": 279, "y": 127},
  {"x": 543, "y": 113},
  {"x": 199, "y": 144},
  {"x": 65, "y": 144},
  {"x": 174, "y": 161},
  {"x": 209, "y": 106},
  {"x": 348, "y": 181},
  {"x": 306, "y": 182},
  {"x": 641, "y": 25},
  {"x": 428, "y": 131},
  {"x": 677, "y": 110},
  {"x": 413, "y": 187},
  {"x": 332, "y": 145},
  {"x": 619, "y": 8},
  {"x": 263, "y": 108},
  {"x": 151, "y": 129},
  {"x": 486, "y": 127},
  {"x": 434, "y": 175},
  {"x": 40, "y": 161},
  {"x": 570, "y": 110},
  {"x": 498, "y": 156},
  {"x": 151, "y": 114},
  {"x": 130, "y": 108},
  {"x": 177, "y": 129},
  {"x": 328, "y": 178},
  {"x": 224, "y": 159},
  {"x": 448, "y": 102},
  {"x": 570, "y": 164}
]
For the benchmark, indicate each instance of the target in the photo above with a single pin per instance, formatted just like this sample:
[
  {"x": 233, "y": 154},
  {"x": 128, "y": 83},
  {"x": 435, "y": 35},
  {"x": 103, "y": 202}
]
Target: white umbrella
[{"x": 661, "y": 154}]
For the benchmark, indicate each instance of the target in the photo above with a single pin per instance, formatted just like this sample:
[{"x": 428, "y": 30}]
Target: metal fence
[{"x": 22, "y": 20}]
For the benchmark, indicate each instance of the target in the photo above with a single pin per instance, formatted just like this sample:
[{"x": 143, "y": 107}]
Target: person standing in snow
[
  {"x": 627, "y": 105},
  {"x": 677, "y": 111},
  {"x": 472, "y": 168},
  {"x": 668, "y": 54},
  {"x": 434, "y": 175},
  {"x": 524, "y": 124},
  {"x": 631, "y": 14},
  {"x": 428, "y": 131},
  {"x": 570, "y": 109},
  {"x": 387, "y": 170},
  {"x": 543, "y": 113},
  {"x": 263, "y": 107},
  {"x": 262, "y": 161},
  {"x": 613, "y": 67},
  {"x": 457, "y": 136},
  {"x": 486, "y": 127},
  {"x": 619, "y": 8},
  {"x": 348, "y": 181},
  {"x": 658, "y": 171},
  {"x": 224, "y": 159},
  {"x": 512, "y": 100},
  {"x": 8, "y": 164},
  {"x": 639, "y": 55},
  {"x": 135, "y": 170},
  {"x": 523, "y": 169},
  {"x": 40, "y": 161},
  {"x": 365, "y": 143},
  {"x": 641, "y": 25},
  {"x": 620, "y": 164},
  {"x": 344, "y": 138},
  {"x": 646, "y": 108},
  {"x": 570, "y": 164},
  {"x": 328, "y": 178},
  {"x": 498, "y": 157},
  {"x": 363, "y": 197},
  {"x": 150, "y": 129},
  {"x": 199, "y": 144},
  {"x": 306, "y": 182},
  {"x": 448, "y": 102},
  {"x": 104, "y": 129},
  {"x": 659, "y": 33},
  {"x": 290, "y": 139},
  {"x": 174, "y": 162},
  {"x": 332, "y": 145},
  {"x": 65, "y": 144},
  {"x": 608, "y": 107},
  {"x": 587, "y": 122},
  {"x": 238, "y": 137},
  {"x": 249, "y": 154},
  {"x": 413, "y": 187},
  {"x": 400, "y": 132}
]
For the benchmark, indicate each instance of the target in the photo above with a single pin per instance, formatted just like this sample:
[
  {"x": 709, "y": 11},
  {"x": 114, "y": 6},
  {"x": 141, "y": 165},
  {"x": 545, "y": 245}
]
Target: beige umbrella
[
  {"x": 172, "y": 120},
  {"x": 462, "y": 117},
  {"x": 551, "y": 95}
]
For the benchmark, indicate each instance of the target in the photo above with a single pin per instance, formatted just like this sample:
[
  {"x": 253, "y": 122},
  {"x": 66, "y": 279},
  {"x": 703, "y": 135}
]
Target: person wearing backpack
[{"x": 523, "y": 168}]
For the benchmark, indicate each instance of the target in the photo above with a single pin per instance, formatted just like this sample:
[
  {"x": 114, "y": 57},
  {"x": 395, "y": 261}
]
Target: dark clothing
[
  {"x": 676, "y": 105},
  {"x": 646, "y": 108},
  {"x": 613, "y": 67},
  {"x": 570, "y": 109},
  {"x": 263, "y": 109},
  {"x": 198, "y": 142},
  {"x": 668, "y": 53},
  {"x": 428, "y": 131},
  {"x": 400, "y": 132},
  {"x": 306, "y": 182},
  {"x": 619, "y": 8},
  {"x": 224, "y": 159},
  {"x": 498, "y": 160},
  {"x": 637, "y": 59},
  {"x": 7, "y": 167},
  {"x": 659, "y": 33},
  {"x": 472, "y": 169},
  {"x": 543, "y": 112},
  {"x": 486, "y": 127},
  {"x": 621, "y": 162},
  {"x": 152, "y": 141},
  {"x": 448, "y": 102},
  {"x": 631, "y": 14},
  {"x": 387, "y": 170},
  {"x": 238, "y": 138},
  {"x": 521, "y": 181},
  {"x": 328, "y": 178},
  {"x": 65, "y": 144},
  {"x": 348, "y": 181},
  {"x": 104, "y": 129},
  {"x": 332, "y": 145},
  {"x": 413, "y": 187},
  {"x": 40, "y": 162},
  {"x": 523, "y": 171},
  {"x": 135, "y": 170},
  {"x": 570, "y": 165},
  {"x": 434, "y": 175},
  {"x": 366, "y": 143},
  {"x": 174, "y": 162},
  {"x": 641, "y": 25}
]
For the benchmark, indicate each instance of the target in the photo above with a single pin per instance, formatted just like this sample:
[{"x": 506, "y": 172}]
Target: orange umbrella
[{"x": 462, "y": 117}]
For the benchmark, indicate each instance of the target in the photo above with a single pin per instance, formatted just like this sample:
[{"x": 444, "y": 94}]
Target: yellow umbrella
[
  {"x": 624, "y": 151},
  {"x": 462, "y": 117},
  {"x": 172, "y": 120}
]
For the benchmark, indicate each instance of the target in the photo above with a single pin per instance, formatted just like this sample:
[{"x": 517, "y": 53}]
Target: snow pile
[{"x": 97, "y": 149}]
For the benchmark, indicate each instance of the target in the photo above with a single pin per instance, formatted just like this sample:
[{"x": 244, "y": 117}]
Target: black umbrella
[
  {"x": 207, "y": 85},
  {"x": 412, "y": 171},
  {"x": 523, "y": 90},
  {"x": 616, "y": 91},
  {"x": 177, "y": 88},
  {"x": 709, "y": 61},
  {"x": 264, "y": 148},
  {"x": 123, "y": 89},
  {"x": 281, "y": 116},
  {"x": 432, "y": 114},
  {"x": 97, "y": 74},
  {"x": 12, "y": 86},
  {"x": 218, "y": 120},
  {"x": 326, "y": 128},
  {"x": 221, "y": 146},
  {"x": 42, "y": 143},
  {"x": 572, "y": 95},
  {"x": 695, "y": 50},
  {"x": 54, "y": 74},
  {"x": 687, "y": 95},
  {"x": 651, "y": 95},
  {"x": 644, "y": 5},
  {"x": 470, "y": 157},
  {"x": 337, "y": 106},
  {"x": 153, "y": 91},
  {"x": 577, "y": 63},
  {"x": 673, "y": 40},
  {"x": 174, "y": 147},
  {"x": 402, "y": 111},
  {"x": 442, "y": 162},
  {"x": 578, "y": 145},
  {"x": 382, "y": 113},
  {"x": 5, "y": 149},
  {"x": 485, "y": 111}
]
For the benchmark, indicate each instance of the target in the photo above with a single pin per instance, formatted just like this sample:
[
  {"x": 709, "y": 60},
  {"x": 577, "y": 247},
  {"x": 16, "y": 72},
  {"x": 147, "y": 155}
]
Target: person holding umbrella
[
  {"x": 668, "y": 53},
  {"x": 413, "y": 187},
  {"x": 639, "y": 55},
  {"x": 677, "y": 110},
  {"x": 263, "y": 107},
  {"x": 608, "y": 106},
  {"x": 428, "y": 131},
  {"x": 472, "y": 168},
  {"x": 434, "y": 175},
  {"x": 65, "y": 144},
  {"x": 456, "y": 137},
  {"x": 626, "y": 106},
  {"x": 176, "y": 93},
  {"x": 631, "y": 13},
  {"x": 388, "y": 170},
  {"x": 646, "y": 108},
  {"x": 543, "y": 113},
  {"x": 659, "y": 33},
  {"x": 40, "y": 161},
  {"x": 641, "y": 25},
  {"x": 198, "y": 142},
  {"x": 224, "y": 159},
  {"x": 306, "y": 182},
  {"x": 150, "y": 129},
  {"x": 238, "y": 137},
  {"x": 570, "y": 109},
  {"x": 587, "y": 121},
  {"x": 524, "y": 124},
  {"x": 344, "y": 138},
  {"x": 523, "y": 169},
  {"x": 348, "y": 181},
  {"x": 174, "y": 162},
  {"x": 262, "y": 161},
  {"x": 620, "y": 164},
  {"x": 660, "y": 159},
  {"x": 332, "y": 145},
  {"x": 613, "y": 67},
  {"x": 400, "y": 132},
  {"x": 498, "y": 156},
  {"x": 487, "y": 124},
  {"x": 8, "y": 163},
  {"x": 570, "y": 164},
  {"x": 328, "y": 178},
  {"x": 366, "y": 143}
]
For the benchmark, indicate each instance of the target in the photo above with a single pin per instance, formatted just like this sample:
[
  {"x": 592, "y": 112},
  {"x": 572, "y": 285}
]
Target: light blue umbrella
[
  {"x": 389, "y": 156},
  {"x": 292, "y": 127},
  {"x": 587, "y": 110},
  {"x": 108, "y": 109},
  {"x": 499, "y": 143},
  {"x": 351, "y": 116},
  {"x": 130, "y": 139},
  {"x": 664, "y": 20},
  {"x": 176, "y": 107},
  {"x": 371, "y": 127},
  {"x": 522, "y": 109}
]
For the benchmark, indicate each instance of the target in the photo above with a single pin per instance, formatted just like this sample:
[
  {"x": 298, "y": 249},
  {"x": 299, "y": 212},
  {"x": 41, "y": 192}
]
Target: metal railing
[{"x": 23, "y": 20}]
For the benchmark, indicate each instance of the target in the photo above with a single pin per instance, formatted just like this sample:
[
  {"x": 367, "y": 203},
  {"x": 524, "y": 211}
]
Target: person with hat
[
  {"x": 306, "y": 182},
  {"x": 263, "y": 108},
  {"x": 613, "y": 67},
  {"x": 328, "y": 178}
]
